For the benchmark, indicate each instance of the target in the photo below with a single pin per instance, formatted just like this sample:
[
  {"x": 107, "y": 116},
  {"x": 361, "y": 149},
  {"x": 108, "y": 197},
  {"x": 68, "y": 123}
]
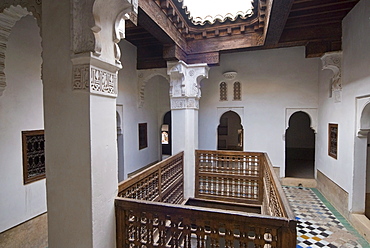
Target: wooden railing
[
  {"x": 275, "y": 202},
  {"x": 162, "y": 182},
  {"x": 152, "y": 224},
  {"x": 147, "y": 220},
  {"x": 229, "y": 176}
]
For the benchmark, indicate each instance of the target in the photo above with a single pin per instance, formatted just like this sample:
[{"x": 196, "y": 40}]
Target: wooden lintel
[
  {"x": 318, "y": 49},
  {"x": 212, "y": 58},
  {"x": 151, "y": 63},
  {"x": 278, "y": 15},
  {"x": 223, "y": 43},
  {"x": 173, "y": 52}
]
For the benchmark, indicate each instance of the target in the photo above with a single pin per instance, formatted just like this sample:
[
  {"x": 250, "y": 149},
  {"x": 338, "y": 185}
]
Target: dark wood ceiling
[{"x": 164, "y": 33}]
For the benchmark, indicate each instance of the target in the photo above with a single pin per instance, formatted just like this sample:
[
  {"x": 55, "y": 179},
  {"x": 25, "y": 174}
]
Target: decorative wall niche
[
  {"x": 143, "y": 135},
  {"x": 33, "y": 144}
]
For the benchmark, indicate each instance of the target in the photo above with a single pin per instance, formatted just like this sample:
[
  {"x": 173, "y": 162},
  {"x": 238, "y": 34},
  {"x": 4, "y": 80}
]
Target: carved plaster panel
[
  {"x": 184, "y": 103},
  {"x": 94, "y": 80},
  {"x": 333, "y": 62},
  {"x": 143, "y": 78},
  {"x": 185, "y": 79},
  {"x": 185, "y": 84},
  {"x": 9, "y": 16}
]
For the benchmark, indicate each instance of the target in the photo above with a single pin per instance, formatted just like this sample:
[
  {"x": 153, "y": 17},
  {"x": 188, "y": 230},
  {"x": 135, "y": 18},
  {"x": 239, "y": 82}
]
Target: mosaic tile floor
[{"x": 319, "y": 224}]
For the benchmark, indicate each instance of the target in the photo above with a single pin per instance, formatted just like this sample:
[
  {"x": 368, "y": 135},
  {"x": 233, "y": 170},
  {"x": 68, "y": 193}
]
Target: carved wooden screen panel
[
  {"x": 333, "y": 140},
  {"x": 143, "y": 135},
  {"x": 33, "y": 144},
  {"x": 152, "y": 224},
  {"x": 237, "y": 91},
  {"x": 223, "y": 91},
  {"x": 226, "y": 175}
]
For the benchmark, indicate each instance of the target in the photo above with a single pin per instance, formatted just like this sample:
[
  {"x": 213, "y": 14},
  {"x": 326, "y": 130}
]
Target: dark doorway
[
  {"x": 300, "y": 147},
  {"x": 166, "y": 137},
  {"x": 230, "y": 132}
]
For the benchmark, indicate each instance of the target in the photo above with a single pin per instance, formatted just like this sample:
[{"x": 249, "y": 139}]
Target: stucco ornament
[
  {"x": 185, "y": 84},
  {"x": 333, "y": 62},
  {"x": 143, "y": 78},
  {"x": 10, "y": 13},
  {"x": 97, "y": 27}
]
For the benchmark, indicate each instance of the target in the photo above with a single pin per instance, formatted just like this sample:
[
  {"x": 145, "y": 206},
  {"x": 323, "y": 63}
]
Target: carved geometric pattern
[
  {"x": 237, "y": 91},
  {"x": 157, "y": 225},
  {"x": 33, "y": 155},
  {"x": 94, "y": 80},
  {"x": 223, "y": 91},
  {"x": 8, "y": 18},
  {"x": 184, "y": 103}
]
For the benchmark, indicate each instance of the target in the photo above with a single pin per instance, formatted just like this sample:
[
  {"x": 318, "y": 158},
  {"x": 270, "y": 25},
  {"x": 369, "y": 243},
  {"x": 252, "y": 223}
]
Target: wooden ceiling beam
[
  {"x": 312, "y": 34},
  {"x": 297, "y": 6},
  {"x": 278, "y": 16},
  {"x": 224, "y": 43},
  {"x": 159, "y": 24}
]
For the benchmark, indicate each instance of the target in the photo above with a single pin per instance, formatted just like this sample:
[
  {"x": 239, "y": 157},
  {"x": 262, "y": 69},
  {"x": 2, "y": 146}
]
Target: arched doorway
[
  {"x": 166, "y": 137},
  {"x": 300, "y": 147},
  {"x": 230, "y": 132}
]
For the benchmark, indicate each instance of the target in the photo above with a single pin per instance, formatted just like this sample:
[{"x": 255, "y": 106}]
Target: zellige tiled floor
[{"x": 319, "y": 224}]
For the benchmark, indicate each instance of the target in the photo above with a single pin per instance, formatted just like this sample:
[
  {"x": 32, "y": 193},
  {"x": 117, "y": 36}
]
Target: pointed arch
[{"x": 8, "y": 18}]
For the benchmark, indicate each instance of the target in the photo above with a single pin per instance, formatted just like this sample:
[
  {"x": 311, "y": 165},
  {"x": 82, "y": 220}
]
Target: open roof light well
[{"x": 202, "y": 11}]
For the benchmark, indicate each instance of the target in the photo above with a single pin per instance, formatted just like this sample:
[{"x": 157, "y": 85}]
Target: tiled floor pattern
[{"x": 319, "y": 224}]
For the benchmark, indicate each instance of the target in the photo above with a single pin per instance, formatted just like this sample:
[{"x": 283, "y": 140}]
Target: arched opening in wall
[
  {"x": 300, "y": 147},
  {"x": 365, "y": 128},
  {"x": 121, "y": 167},
  {"x": 230, "y": 132},
  {"x": 367, "y": 198},
  {"x": 166, "y": 136},
  {"x": 21, "y": 111}
]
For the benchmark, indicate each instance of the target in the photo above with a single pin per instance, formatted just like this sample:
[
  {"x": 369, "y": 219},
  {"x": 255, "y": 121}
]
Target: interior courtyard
[{"x": 94, "y": 92}]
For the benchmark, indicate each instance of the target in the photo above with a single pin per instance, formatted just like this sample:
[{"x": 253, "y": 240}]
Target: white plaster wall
[
  {"x": 156, "y": 104},
  {"x": 347, "y": 171},
  {"x": 21, "y": 109},
  {"x": 272, "y": 80}
]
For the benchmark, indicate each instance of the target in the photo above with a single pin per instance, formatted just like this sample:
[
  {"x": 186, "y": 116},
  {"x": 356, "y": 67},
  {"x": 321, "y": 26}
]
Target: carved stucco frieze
[
  {"x": 94, "y": 80},
  {"x": 143, "y": 78},
  {"x": 333, "y": 62},
  {"x": 185, "y": 84},
  {"x": 11, "y": 12}
]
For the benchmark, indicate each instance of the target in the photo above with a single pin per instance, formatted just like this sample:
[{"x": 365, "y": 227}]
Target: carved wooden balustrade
[
  {"x": 162, "y": 182},
  {"x": 245, "y": 179}
]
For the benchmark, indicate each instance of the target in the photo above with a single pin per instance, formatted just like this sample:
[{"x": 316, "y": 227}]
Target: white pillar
[
  {"x": 80, "y": 65},
  {"x": 185, "y": 94}
]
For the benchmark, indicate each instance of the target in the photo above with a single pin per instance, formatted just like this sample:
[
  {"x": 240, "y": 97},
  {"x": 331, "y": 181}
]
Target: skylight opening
[{"x": 202, "y": 10}]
